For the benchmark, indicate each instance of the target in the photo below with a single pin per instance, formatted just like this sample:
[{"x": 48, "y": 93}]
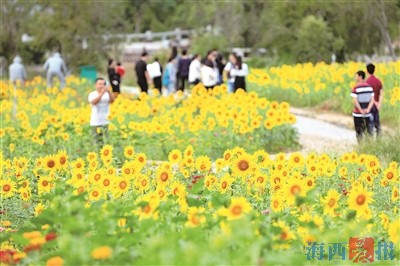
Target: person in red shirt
[
  {"x": 376, "y": 85},
  {"x": 363, "y": 98}
]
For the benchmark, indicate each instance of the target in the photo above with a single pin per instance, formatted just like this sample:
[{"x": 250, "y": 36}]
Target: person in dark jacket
[
  {"x": 183, "y": 69},
  {"x": 113, "y": 76},
  {"x": 143, "y": 77}
]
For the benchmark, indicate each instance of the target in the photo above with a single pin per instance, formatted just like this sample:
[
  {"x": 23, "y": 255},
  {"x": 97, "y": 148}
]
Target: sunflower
[
  {"x": 78, "y": 164},
  {"x": 285, "y": 234},
  {"x": 178, "y": 189},
  {"x": 395, "y": 194},
  {"x": 25, "y": 193},
  {"x": 129, "y": 152},
  {"x": 372, "y": 163},
  {"x": 269, "y": 123},
  {"x": 50, "y": 163},
  {"x": 203, "y": 164},
  {"x": 106, "y": 184},
  {"x": 93, "y": 165},
  {"x": 44, "y": 185},
  {"x": 280, "y": 157},
  {"x": 148, "y": 207},
  {"x": 21, "y": 164},
  {"x": 163, "y": 176},
  {"x": 367, "y": 178},
  {"x": 196, "y": 216},
  {"x": 384, "y": 221},
  {"x": 39, "y": 209},
  {"x": 359, "y": 198},
  {"x": 122, "y": 185},
  {"x": 276, "y": 203},
  {"x": 238, "y": 207},
  {"x": 141, "y": 159},
  {"x": 96, "y": 177},
  {"x": 294, "y": 188},
  {"x": 188, "y": 161},
  {"x": 127, "y": 169},
  {"x": 390, "y": 175},
  {"x": 91, "y": 156},
  {"x": 296, "y": 160},
  {"x": 7, "y": 188},
  {"x": 239, "y": 151},
  {"x": 111, "y": 171},
  {"x": 95, "y": 194},
  {"x": 106, "y": 153},
  {"x": 260, "y": 180},
  {"x": 175, "y": 156},
  {"x": 210, "y": 181},
  {"x": 225, "y": 183},
  {"x": 62, "y": 159},
  {"x": 262, "y": 157},
  {"x": 331, "y": 202},
  {"x": 243, "y": 165},
  {"x": 78, "y": 178},
  {"x": 228, "y": 155},
  {"x": 143, "y": 182}
]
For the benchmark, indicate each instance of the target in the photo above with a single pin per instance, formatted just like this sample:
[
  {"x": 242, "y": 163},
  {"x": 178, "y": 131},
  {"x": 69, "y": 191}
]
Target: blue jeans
[{"x": 231, "y": 87}]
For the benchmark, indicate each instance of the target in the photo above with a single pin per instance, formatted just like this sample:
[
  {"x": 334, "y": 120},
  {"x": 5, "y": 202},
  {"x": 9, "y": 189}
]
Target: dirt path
[{"x": 324, "y": 132}]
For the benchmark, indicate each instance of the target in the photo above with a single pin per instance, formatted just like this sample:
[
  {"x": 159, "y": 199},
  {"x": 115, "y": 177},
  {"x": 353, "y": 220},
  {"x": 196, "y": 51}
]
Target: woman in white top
[
  {"x": 195, "y": 70},
  {"x": 227, "y": 69},
  {"x": 239, "y": 72},
  {"x": 100, "y": 100},
  {"x": 209, "y": 77}
]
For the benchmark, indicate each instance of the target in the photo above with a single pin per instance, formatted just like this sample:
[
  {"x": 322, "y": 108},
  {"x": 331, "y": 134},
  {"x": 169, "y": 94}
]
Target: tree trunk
[
  {"x": 138, "y": 21},
  {"x": 383, "y": 27}
]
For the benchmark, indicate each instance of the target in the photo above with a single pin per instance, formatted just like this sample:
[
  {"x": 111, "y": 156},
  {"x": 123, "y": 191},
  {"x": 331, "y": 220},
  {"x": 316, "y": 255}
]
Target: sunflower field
[
  {"x": 48, "y": 120},
  {"x": 243, "y": 209},
  {"x": 189, "y": 180},
  {"x": 327, "y": 86}
]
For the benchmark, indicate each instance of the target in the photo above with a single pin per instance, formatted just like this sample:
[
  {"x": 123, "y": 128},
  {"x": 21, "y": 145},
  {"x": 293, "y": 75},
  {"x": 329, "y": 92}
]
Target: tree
[
  {"x": 315, "y": 41},
  {"x": 13, "y": 14}
]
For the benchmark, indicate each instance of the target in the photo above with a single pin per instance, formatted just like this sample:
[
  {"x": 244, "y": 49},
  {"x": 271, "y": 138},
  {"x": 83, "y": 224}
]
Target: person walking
[
  {"x": 227, "y": 70},
  {"x": 141, "y": 72},
  {"x": 363, "y": 99},
  {"x": 183, "y": 69},
  {"x": 169, "y": 76},
  {"x": 376, "y": 85},
  {"x": 100, "y": 100},
  {"x": 195, "y": 70},
  {"x": 155, "y": 73},
  {"x": 17, "y": 71},
  {"x": 55, "y": 66},
  {"x": 239, "y": 72},
  {"x": 113, "y": 76}
]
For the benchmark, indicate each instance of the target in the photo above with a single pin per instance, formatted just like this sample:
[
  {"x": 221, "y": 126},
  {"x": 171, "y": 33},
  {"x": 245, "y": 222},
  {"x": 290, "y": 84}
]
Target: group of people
[
  {"x": 183, "y": 71},
  {"x": 54, "y": 66},
  {"x": 367, "y": 97}
]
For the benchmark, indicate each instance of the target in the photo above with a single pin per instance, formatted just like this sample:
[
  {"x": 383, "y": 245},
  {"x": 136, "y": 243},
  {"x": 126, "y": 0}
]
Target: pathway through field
[{"x": 324, "y": 132}]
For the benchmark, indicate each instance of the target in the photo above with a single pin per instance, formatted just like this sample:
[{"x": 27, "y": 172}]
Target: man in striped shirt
[{"x": 363, "y": 98}]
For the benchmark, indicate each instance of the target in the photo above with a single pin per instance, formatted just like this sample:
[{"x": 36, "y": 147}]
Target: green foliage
[
  {"x": 282, "y": 26},
  {"x": 385, "y": 147},
  {"x": 205, "y": 42},
  {"x": 316, "y": 42}
]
